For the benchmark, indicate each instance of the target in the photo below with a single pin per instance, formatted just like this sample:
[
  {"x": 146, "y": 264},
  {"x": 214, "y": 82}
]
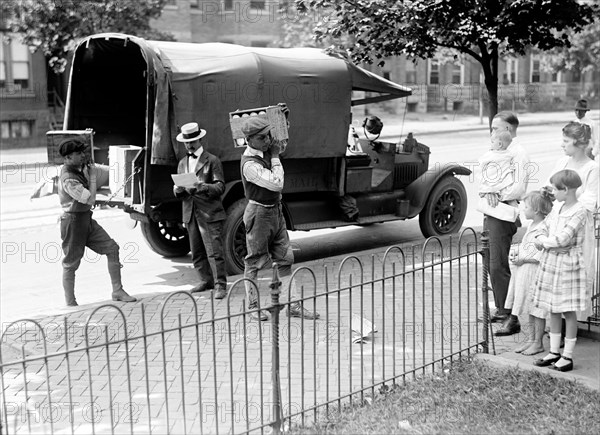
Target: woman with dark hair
[{"x": 575, "y": 142}]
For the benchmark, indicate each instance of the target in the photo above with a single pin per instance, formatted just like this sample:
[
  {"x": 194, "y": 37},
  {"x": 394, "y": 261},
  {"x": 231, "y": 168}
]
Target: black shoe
[
  {"x": 510, "y": 327},
  {"x": 566, "y": 368},
  {"x": 542, "y": 362},
  {"x": 498, "y": 317},
  {"x": 201, "y": 288}
]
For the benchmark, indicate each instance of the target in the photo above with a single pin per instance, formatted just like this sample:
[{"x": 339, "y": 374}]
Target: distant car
[{"x": 136, "y": 92}]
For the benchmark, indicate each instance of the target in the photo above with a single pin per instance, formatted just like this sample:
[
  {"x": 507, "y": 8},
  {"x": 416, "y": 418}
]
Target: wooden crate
[
  {"x": 56, "y": 137},
  {"x": 272, "y": 114}
]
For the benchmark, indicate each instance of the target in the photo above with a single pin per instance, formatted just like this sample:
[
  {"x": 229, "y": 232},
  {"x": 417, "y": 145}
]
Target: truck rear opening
[{"x": 107, "y": 93}]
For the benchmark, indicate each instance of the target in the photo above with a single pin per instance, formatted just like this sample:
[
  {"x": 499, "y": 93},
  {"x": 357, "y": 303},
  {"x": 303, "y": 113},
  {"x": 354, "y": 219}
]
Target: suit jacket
[{"x": 206, "y": 206}]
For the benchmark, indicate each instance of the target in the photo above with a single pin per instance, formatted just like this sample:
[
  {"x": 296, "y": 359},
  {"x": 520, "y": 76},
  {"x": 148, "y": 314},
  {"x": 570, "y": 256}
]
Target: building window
[
  {"x": 15, "y": 65},
  {"x": 457, "y": 74},
  {"x": 511, "y": 72},
  {"x": 259, "y": 43},
  {"x": 194, "y": 4},
  {"x": 16, "y": 129},
  {"x": 535, "y": 70},
  {"x": 171, "y": 3},
  {"x": 434, "y": 72},
  {"x": 228, "y": 5},
  {"x": 257, "y": 4},
  {"x": 557, "y": 77},
  {"x": 386, "y": 75},
  {"x": 410, "y": 71}
]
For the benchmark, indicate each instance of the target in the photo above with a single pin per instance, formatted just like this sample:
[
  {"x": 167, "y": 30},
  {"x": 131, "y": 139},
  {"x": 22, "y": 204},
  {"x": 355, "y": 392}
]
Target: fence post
[
  {"x": 485, "y": 253},
  {"x": 275, "y": 309}
]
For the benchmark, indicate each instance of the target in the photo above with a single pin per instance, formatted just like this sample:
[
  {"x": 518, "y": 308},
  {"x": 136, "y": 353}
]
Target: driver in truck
[{"x": 266, "y": 232}]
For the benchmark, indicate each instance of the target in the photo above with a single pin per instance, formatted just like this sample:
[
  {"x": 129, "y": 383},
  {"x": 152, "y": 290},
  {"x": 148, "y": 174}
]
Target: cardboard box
[
  {"x": 56, "y": 137},
  {"x": 272, "y": 114},
  {"x": 120, "y": 159}
]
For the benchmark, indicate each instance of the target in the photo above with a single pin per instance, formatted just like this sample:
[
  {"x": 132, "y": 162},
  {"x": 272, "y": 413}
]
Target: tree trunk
[{"x": 490, "y": 78}]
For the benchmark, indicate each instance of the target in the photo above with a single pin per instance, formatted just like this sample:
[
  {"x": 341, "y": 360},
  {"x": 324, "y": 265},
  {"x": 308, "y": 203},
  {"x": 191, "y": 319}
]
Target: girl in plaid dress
[{"x": 562, "y": 286}]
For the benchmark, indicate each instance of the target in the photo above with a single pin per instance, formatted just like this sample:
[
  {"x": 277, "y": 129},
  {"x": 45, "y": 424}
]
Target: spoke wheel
[{"x": 446, "y": 208}]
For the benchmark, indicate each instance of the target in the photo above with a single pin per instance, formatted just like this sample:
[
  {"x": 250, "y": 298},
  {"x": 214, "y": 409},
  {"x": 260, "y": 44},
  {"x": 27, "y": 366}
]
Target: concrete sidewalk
[{"x": 395, "y": 128}]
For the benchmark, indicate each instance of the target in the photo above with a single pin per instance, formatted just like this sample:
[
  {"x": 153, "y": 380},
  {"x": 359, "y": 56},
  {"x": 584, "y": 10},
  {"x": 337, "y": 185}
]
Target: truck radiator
[{"x": 405, "y": 174}]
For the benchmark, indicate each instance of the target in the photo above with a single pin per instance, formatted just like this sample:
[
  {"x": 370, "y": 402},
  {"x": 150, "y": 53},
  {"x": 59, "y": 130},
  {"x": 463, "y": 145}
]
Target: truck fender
[{"x": 418, "y": 191}]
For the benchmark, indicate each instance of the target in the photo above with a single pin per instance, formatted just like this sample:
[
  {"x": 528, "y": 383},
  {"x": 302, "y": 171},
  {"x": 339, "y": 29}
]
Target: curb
[{"x": 501, "y": 362}]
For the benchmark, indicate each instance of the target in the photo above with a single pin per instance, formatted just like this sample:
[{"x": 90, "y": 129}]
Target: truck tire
[
  {"x": 234, "y": 238},
  {"x": 445, "y": 209},
  {"x": 168, "y": 241}
]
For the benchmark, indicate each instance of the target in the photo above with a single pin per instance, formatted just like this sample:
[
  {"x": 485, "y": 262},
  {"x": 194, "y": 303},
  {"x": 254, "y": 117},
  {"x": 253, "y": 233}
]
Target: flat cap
[
  {"x": 70, "y": 146},
  {"x": 255, "y": 125}
]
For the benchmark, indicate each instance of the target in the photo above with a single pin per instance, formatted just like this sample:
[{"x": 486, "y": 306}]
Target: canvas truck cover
[{"x": 185, "y": 82}]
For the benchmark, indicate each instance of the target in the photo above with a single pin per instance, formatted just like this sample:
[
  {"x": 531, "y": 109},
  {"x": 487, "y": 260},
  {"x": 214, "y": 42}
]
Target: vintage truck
[{"x": 138, "y": 93}]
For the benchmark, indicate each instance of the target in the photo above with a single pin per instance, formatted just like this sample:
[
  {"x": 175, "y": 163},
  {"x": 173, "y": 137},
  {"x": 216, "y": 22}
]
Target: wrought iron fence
[{"x": 190, "y": 364}]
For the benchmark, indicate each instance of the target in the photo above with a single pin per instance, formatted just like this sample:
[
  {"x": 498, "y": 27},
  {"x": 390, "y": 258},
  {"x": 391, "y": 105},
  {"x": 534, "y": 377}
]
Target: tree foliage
[
  {"x": 583, "y": 54},
  {"x": 55, "y": 26},
  {"x": 483, "y": 29}
]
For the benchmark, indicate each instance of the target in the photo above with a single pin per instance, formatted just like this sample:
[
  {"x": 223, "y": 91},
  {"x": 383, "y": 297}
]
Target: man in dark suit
[{"x": 203, "y": 211}]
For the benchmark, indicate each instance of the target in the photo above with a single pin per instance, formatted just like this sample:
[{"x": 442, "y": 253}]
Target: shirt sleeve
[
  {"x": 589, "y": 190},
  {"x": 523, "y": 170},
  {"x": 76, "y": 190},
  {"x": 269, "y": 179},
  {"x": 564, "y": 237}
]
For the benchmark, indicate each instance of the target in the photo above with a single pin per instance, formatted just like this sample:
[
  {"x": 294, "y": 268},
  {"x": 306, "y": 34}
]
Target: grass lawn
[{"x": 470, "y": 397}]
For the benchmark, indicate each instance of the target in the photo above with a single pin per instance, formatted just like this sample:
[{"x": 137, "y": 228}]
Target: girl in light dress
[
  {"x": 563, "y": 285},
  {"x": 524, "y": 259}
]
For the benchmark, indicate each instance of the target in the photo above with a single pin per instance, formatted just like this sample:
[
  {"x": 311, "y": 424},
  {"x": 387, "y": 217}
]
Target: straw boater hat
[
  {"x": 190, "y": 132},
  {"x": 582, "y": 105}
]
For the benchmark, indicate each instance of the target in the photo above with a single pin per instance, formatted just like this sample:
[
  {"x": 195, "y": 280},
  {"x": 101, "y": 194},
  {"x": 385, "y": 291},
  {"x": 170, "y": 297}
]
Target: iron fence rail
[{"x": 195, "y": 365}]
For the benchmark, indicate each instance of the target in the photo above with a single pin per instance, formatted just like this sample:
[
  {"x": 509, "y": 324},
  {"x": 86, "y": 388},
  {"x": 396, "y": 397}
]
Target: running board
[{"x": 342, "y": 223}]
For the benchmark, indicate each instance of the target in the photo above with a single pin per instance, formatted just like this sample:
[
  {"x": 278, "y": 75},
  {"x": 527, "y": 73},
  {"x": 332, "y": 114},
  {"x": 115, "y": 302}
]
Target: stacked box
[
  {"x": 57, "y": 137},
  {"x": 272, "y": 114},
  {"x": 120, "y": 158}
]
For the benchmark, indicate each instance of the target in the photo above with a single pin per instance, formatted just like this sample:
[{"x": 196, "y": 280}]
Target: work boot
[
  {"x": 202, "y": 287},
  {"x": 297, "y": 310},
  {"x": 122, "y": 296},
  {"x": 68, "y": 280},
  {"x": 220, "y": 292}
]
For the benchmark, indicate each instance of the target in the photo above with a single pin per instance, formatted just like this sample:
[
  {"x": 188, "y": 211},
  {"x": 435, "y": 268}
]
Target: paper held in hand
[{"x": 186, "y": 180}]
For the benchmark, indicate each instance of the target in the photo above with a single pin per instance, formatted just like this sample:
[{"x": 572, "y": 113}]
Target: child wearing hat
[
  {"x": 77, "y": 195},
  {"x": 266, "y": 233}
]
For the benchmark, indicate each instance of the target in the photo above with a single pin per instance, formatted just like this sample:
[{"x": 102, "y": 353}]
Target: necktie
[{"x": 192, "y": 155}]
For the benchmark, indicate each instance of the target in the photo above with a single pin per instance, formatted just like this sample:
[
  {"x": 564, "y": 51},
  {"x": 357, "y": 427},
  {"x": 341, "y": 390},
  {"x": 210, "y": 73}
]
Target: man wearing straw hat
[
  {"x": 266, "y": 233},
  {"x": 203, "y": 212}
]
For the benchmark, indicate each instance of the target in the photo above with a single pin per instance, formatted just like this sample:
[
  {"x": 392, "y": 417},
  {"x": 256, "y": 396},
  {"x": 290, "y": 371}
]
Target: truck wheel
[
  {"x": 168, "y": 241},
  {"x": 234, "y": 238},
  {"x": 446, "y": 208}
]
